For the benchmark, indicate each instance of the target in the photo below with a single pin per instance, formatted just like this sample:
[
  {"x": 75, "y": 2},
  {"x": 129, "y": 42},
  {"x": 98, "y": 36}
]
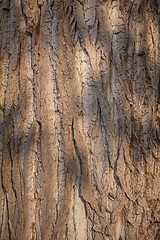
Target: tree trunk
[{"x": 80, "y": 120}]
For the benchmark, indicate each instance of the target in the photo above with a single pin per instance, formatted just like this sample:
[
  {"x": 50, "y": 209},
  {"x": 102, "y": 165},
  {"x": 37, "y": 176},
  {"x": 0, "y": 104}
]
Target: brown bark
[{"x": 80, "y": 120}]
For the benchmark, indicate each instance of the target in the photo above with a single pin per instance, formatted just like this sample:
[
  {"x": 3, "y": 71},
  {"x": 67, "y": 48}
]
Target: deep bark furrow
[{"x": 79, "y": 157}]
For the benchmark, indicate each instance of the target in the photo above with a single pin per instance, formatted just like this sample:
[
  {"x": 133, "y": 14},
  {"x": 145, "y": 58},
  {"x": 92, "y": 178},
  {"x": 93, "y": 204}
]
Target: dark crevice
[
  {"x": 11, "y": 147},
  {"x": 78, "y": 153},
  {"x": 10, "y": 228},
  {"x": 80, "y": 164},
  {"x": 104, "y": 132},
  {"x": 116, "y": 177}
]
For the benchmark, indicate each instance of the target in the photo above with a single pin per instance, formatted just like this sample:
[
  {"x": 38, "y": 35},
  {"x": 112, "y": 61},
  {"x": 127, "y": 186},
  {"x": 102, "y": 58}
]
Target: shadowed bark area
[{"x": 80, "y": 120}]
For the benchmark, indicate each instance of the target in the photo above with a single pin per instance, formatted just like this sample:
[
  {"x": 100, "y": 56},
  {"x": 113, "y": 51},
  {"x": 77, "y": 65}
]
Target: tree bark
[{"x": 80, "y": 120}]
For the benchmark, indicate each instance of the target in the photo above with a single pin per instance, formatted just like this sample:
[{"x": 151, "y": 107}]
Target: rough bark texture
[{"x": 80, "y": 119}]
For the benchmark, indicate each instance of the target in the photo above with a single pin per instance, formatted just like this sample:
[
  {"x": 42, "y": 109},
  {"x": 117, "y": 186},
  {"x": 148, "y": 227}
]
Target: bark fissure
[
  {"x": 81, "y": 167},
  {"x": 10, "y": 228}
]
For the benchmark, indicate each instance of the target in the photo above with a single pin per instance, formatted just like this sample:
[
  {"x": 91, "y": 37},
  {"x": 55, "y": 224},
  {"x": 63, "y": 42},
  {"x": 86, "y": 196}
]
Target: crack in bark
[
  {"x": 80, "y": 164},
  {"x": 116, "y": 177},
  {"x": 82, "y": 197},
  {"x": 104, "y": 133},
  {"x": 10, "y": 228}
]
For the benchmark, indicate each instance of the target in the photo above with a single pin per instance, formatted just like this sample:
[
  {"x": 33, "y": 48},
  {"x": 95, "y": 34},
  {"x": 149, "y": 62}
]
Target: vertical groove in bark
[{"x": 79, "y": 119}]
